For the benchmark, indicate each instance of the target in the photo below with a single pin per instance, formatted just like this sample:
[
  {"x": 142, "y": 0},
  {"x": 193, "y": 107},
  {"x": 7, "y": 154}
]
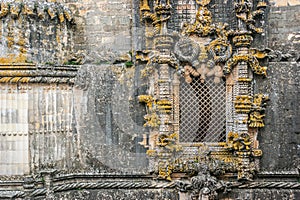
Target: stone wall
[
  {"x": 147, "y": 194},
  {"x": 103, "y": 31},
  {"x": 280, "y": 138},
  {"x": 283, "y": 32},
  {"x": 36, "y": 32},
  {"x": 109, "y": 119},
  {"x": 91, "y": 142}
]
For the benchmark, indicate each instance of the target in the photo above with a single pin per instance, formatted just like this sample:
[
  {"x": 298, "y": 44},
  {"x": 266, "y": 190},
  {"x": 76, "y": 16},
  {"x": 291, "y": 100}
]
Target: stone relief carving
[
  {"x": 257, "y": 110},
  {"x": 203, "y": 185}
]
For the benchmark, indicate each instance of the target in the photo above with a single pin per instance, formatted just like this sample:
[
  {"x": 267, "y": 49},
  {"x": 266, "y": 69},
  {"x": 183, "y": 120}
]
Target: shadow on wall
[{"x": 109, "y": 119}]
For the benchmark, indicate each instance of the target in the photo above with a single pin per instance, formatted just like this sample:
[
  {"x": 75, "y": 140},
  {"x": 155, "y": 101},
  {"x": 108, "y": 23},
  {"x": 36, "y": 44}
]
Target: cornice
[{"x": 31, "y": 73}]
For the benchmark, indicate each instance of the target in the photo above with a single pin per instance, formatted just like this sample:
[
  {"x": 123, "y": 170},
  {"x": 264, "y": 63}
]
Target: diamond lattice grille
[{"x": 202, "y": 111}]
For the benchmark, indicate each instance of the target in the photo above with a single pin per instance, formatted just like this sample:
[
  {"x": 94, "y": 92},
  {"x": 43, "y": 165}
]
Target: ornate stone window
[{"x": 201, "y": 106}]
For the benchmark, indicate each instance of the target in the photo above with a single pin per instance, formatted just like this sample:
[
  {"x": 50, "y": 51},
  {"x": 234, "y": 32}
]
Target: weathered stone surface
[
  {"x": 256, "y": 194},
  {"x": 280, "y": 138},
  {"x": 284, "y": 34},
  {"x": 148, "y": 194},
  {"x": 36, "y": 32},
  {"x": 103, "y": 31},
  {"x": 280, "y": 3},
  {"x": 109, "y": 120},
  {"x": 97, "y": 124}
]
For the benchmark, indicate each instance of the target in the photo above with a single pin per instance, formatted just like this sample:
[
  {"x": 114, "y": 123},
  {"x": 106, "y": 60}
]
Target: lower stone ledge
[
  {"x": 293, "y": 173},
  {"x": 10, "y": 194},
  {"x": 152, "y": 188},
  {"x": 49, "y": 184}
]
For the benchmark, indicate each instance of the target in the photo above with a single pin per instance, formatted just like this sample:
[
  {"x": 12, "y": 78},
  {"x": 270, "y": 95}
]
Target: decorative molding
[
  {"x": 257, "y": 111},
  {"x": 98, "y": 185},
  {"x": 208, "y": 185},
  {"x": 31, "y": 73},
  {"x": 270, "y": 185},
  {"x": 13, "y": 178},
  {"x": 203, "y": 24}
]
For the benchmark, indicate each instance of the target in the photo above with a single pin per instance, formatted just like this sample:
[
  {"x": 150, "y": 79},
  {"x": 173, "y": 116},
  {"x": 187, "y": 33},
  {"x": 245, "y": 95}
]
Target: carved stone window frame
[{"x": 238, "y": 156}]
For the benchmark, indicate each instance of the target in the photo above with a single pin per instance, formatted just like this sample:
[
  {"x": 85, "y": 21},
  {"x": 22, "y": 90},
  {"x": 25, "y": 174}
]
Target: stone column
[
  {"x": 243, "y": 91},
  {"x": 164, "y": 95}
]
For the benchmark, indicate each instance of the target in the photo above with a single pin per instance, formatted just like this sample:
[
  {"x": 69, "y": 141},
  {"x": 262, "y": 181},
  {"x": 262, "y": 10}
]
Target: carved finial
[
  {"x": 144, "y": 5},
  {"x": 203, "y": 2}
]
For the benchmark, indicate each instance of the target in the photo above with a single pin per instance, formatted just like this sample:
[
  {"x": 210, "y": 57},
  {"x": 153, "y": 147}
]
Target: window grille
[{"x": 202, "y": 111}]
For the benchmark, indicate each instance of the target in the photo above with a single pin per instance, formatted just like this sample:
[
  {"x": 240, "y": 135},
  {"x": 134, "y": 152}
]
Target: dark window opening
[{"x": 202, "y": 111}]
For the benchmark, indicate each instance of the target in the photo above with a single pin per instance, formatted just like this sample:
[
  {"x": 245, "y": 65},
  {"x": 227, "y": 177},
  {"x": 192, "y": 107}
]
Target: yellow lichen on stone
[
  {"x": 22, "y": 50},
  {"x": 61, "y": 17},
  {"x": 151, "y": 152},
  {"x": 51, "y": 12},
  {"x": 12, "y": 58},
  {"x": 152, "y": 120},
  {"x": 68, "y": 15},
  {"x": 58, "y": 35},
  {"x": 148, "y": 99},
  {"x": 21, "y": 41},
  {"x": 10, "y": 41}
]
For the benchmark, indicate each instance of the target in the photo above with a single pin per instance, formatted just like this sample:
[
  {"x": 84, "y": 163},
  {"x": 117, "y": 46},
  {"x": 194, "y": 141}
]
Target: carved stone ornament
[
  {"x": 202, "y": 185},
  {"x": 202, "y": 50},
  {"x": 35, "y": 8},
  {"x": 187, "y": 50}
]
